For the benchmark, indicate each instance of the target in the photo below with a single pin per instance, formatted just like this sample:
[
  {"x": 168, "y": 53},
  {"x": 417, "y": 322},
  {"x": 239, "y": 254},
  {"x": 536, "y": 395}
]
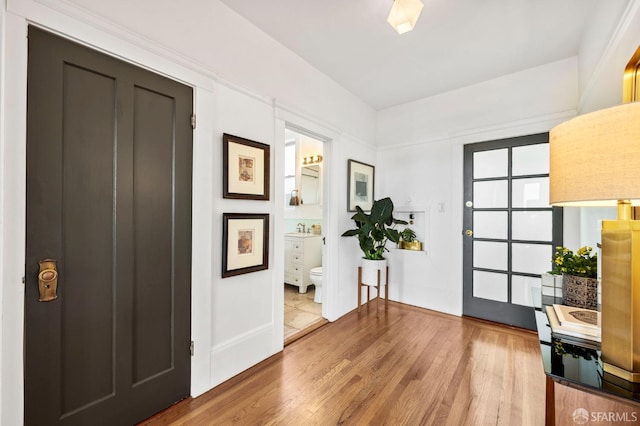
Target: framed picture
[
  {"x": 245, "y": 168},
  {"x": 360, "y": 186},
  {"x": 245, "y": 243}
]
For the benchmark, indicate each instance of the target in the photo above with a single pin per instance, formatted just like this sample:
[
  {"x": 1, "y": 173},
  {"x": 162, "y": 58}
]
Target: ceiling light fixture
[{"x": 404, "y": 14}]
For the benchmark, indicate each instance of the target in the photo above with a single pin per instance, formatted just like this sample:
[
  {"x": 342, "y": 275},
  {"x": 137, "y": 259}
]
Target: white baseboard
[{"x": 240, "y": 353}]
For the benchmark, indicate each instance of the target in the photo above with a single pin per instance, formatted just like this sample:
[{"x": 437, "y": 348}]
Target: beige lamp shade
[
  {"x": 404, "y": 14},
  {"x": 595, "y": 158}
]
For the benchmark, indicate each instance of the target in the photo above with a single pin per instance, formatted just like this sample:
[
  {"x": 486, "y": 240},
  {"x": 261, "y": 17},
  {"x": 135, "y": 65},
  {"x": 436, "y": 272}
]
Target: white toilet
[{"x": 316, "y": 278}]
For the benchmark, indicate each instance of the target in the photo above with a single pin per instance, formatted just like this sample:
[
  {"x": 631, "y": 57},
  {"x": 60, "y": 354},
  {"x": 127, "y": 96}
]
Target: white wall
[
  {"x": 206, "y": 45},
  {"x": 242, "y": 316},
  {"x": 349, "y": 251},
  {"x": 505, "y": 101},
  {"x": 602, "y": 63},
  {"x": 341, "y": 256},
  {"x": 607, "y": 46},
  {"x": 3, "y": 387},
  {"x": 421, "y": 177},
  {"x": 420, "y": 155},
  {"x": 12, "y": 226},
  {"x": 426, "y": 169},
  {"x": 212, "y": 35},
  {"x": 244, "y": 84}
]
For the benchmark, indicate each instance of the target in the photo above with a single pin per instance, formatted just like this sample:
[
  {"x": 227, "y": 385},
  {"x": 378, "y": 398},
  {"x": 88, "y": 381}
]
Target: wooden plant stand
[{"x": 386, "y": 292}]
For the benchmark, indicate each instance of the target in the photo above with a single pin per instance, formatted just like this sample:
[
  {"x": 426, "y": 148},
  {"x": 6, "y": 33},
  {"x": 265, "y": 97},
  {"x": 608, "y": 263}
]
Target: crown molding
[
  {"x": 510, "y": 129},
  {"x": 631, "y": 11}
]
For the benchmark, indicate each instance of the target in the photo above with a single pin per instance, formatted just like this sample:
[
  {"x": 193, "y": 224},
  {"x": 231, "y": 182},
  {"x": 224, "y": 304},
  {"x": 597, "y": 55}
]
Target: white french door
[{"x": 509, "y": 228}]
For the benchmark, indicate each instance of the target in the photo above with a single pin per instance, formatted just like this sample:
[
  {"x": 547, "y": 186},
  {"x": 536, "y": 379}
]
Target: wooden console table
[
  {"x": 386, "y": 291},
  {"x": 586, "y": 390}
]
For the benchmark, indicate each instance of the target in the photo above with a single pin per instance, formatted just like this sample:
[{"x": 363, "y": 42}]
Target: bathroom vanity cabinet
[{"x": 301, "y": 253}]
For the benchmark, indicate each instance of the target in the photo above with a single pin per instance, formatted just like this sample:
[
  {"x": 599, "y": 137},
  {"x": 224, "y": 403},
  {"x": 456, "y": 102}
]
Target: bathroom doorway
[{"x": 303, "y": 242}]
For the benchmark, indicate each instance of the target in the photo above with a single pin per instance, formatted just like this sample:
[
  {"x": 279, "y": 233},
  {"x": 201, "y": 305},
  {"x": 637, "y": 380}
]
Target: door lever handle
[{"x": 48, "y": 280}]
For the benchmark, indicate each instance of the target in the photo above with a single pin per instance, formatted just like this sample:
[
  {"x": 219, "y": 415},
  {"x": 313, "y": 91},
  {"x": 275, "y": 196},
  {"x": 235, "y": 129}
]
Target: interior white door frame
[{"x": 287, "y": 118}]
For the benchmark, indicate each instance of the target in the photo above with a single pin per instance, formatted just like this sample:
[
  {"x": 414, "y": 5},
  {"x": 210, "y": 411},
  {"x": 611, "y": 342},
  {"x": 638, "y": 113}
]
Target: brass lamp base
[
  {"x": 621, "y": 373},
  {"x": 621, "y": 298}
]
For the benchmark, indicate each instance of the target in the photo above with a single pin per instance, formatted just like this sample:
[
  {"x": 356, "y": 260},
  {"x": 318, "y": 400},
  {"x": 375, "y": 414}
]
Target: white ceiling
[{"x": 456, "y": 43}]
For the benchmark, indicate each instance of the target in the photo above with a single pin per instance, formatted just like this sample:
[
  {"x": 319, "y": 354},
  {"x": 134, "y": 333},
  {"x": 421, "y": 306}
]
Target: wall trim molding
[
  {"x": 224, "y": 360},
  {"x": 514, "y": 128},
  {"x": 38, "y": 11},
  {"x": 266, "y": 100},
  {"x": 198, "y": 74},
  {"x": 296, "y": 119},
  {"x": 556, "y": 118},
  {"x": 632, "y": 9},
  {"x": 35, "y": 11},
  {"x": 221, "y": 347}
]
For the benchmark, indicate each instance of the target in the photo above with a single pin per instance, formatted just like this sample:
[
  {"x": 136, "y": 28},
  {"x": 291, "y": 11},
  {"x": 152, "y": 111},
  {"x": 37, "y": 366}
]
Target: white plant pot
[{"x": 370, "y": 270}]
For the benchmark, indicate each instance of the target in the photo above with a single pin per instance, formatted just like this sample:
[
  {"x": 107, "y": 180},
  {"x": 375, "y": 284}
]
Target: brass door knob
[
  {"x": 468, "y": 233},
  {"x": 48, "y": 280}
]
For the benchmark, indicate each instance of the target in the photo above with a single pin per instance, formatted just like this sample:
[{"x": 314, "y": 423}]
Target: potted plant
[
  {"x": 408, "y": 240},
  {"x": 579, "y": 276},
  {"x": 373, "y": 230}
]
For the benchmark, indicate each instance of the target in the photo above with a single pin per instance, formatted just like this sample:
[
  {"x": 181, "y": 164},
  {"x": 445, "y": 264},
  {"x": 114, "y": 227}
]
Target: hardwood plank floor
[{"x": 409, "y": 367}]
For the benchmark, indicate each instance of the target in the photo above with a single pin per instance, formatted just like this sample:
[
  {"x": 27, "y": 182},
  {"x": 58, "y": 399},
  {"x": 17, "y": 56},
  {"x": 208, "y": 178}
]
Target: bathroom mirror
[{"x": 310, "y": 184}]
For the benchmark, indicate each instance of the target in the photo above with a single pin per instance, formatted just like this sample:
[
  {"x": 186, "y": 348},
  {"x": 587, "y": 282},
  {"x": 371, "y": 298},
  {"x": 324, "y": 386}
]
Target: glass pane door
[{"x": 509, "y": 228}]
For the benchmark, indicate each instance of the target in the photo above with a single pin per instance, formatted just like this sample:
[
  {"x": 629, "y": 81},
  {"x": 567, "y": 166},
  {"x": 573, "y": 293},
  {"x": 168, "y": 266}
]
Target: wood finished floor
[{"x": 408, "y": 367}]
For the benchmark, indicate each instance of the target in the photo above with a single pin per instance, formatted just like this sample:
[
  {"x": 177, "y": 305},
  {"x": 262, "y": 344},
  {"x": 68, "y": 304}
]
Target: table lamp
[{"x": 595, "y": 161}]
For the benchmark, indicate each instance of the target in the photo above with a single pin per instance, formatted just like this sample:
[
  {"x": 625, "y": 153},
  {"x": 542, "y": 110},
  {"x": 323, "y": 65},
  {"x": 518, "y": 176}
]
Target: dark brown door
[{"x": 109, "y": 158}]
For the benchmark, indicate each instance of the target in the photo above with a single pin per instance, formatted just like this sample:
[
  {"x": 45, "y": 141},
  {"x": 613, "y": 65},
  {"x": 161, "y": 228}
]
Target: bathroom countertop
[{"x": 301, "y": 234}]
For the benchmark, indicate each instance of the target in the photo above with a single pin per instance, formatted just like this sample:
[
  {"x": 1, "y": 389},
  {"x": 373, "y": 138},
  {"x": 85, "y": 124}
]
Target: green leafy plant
[
  {"x": 408, "y": 235},
  {"x": 581, "y": 263},
  {"x": 375, "y": 229}
]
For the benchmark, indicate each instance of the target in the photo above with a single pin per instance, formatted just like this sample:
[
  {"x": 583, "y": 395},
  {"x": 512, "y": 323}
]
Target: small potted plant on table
[{"x": 579, "y": 276}]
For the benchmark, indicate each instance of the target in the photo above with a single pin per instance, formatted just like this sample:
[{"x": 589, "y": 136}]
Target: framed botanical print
[
  {"x": 245, "y": 243},
  {"x": 360, "y": 186},
  {"x": 245, "y": 168}
]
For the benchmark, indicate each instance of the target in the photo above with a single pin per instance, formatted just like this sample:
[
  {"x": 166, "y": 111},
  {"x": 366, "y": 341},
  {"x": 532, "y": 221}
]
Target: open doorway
[{"x": 303, "y": 242}]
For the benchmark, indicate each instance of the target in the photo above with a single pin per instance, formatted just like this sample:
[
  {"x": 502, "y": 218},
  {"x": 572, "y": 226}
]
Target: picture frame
[
  {"x": 360, "y": 185},
  {"x": 245, "y": 168},
  {"x": 245, "y": 243}
]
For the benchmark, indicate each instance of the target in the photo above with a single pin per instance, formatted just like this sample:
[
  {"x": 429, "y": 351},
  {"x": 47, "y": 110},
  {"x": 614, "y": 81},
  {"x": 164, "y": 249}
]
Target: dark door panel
[
  {"x": 109, "y": 157},
  {"x": 504, "y": 195}
]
